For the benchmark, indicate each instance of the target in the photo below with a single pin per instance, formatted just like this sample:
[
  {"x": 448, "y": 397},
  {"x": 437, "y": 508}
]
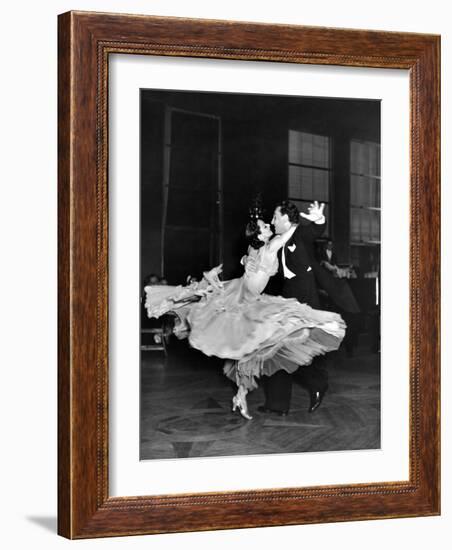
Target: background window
[
  {"x": 309, "y": 170},
  {"x": 364, "y": 192}
]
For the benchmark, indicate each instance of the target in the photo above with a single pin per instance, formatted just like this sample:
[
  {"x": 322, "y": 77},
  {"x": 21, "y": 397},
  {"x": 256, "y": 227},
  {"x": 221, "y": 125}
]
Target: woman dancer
[{"x": 256, "y": 333}]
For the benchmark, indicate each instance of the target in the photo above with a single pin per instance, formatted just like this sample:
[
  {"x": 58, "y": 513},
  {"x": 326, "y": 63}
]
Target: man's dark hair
[
  {"x": 289, "y": 208},
  {"x": 252, "y": 232}
]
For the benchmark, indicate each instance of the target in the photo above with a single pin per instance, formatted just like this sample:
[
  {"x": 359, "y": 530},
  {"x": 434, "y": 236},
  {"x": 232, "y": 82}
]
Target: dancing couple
[{"x": 257, "y": 334}]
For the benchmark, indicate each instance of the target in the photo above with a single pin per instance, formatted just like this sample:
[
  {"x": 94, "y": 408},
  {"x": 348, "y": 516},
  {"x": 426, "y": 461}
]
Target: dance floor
[{"x": 186, "y": 409}]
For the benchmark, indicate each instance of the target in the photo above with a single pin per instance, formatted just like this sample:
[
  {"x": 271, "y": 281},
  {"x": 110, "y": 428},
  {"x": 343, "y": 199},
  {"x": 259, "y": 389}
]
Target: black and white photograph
[
  {"x": 259, "y": 291},
  {"x": 225, "y": 227}
]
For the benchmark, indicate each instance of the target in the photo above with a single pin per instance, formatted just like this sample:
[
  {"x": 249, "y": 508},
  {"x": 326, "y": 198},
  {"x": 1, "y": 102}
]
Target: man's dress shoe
[{"x": 316, "y": 400}]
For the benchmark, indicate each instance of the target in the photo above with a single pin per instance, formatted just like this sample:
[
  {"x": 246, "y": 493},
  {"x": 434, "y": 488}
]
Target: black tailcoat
[{"x": 300, "y": 260}]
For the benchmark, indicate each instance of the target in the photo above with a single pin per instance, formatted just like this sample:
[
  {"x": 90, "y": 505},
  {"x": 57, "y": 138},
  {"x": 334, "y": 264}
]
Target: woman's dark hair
[
  {"x": 252, "y": 232},
  {"x": 289, "y": 208}
]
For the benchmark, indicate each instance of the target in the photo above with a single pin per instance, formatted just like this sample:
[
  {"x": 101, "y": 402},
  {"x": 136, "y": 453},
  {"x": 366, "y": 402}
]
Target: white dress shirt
[{"x": 287, "y": 273}]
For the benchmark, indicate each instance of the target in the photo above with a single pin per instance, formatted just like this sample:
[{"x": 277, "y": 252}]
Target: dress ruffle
[{"x": 256, "y": 334}]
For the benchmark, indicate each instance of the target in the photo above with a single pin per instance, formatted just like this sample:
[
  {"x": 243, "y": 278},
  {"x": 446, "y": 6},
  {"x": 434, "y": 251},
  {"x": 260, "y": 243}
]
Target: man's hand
[
  {"x": 249, "y": 264},
  {"x": 315, "y": 212}
]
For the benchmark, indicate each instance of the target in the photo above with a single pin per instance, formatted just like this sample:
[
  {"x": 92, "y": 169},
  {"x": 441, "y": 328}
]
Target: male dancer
[{"x": 295, "y": 265}]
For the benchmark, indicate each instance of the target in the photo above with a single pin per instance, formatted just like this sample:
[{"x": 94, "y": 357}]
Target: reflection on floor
[{"x": 186, "y": 409}]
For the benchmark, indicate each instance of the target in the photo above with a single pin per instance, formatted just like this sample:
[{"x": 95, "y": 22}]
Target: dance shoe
[
  {"x": 316, "y": 400},
  {"x": 240, "y": 403}
]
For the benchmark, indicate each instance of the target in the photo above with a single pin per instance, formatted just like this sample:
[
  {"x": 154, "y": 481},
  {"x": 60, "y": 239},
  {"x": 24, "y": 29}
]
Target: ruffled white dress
[{"x": 256, "y": 333}]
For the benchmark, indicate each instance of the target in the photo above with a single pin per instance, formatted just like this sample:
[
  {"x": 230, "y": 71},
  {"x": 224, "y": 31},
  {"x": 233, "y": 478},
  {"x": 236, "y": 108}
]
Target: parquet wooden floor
[{"x": 186, "y": 409}]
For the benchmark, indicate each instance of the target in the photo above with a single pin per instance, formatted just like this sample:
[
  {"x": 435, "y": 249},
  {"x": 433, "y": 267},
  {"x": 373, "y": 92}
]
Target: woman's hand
[{"x": 212, "y": 276}]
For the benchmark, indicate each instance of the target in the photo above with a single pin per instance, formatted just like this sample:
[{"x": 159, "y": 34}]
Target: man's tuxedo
[{"x": 299, "y": 260}]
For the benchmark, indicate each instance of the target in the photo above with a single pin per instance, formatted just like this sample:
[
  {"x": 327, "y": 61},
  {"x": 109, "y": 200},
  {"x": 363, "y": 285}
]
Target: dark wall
[
  {"x": 255, "y": 159},
  {"x": 151, "y": 189}
]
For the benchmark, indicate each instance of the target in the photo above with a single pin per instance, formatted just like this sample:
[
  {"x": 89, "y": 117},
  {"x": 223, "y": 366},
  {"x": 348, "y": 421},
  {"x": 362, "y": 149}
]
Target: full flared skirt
[{"x": 256, "y": 334}]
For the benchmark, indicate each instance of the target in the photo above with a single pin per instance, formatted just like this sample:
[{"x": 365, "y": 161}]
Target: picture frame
[{"x": 86, "y": 40}]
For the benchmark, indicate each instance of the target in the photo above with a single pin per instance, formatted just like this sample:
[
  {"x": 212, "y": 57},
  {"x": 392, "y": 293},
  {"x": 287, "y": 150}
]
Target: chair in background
[{"x": 157, "y": 339}]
